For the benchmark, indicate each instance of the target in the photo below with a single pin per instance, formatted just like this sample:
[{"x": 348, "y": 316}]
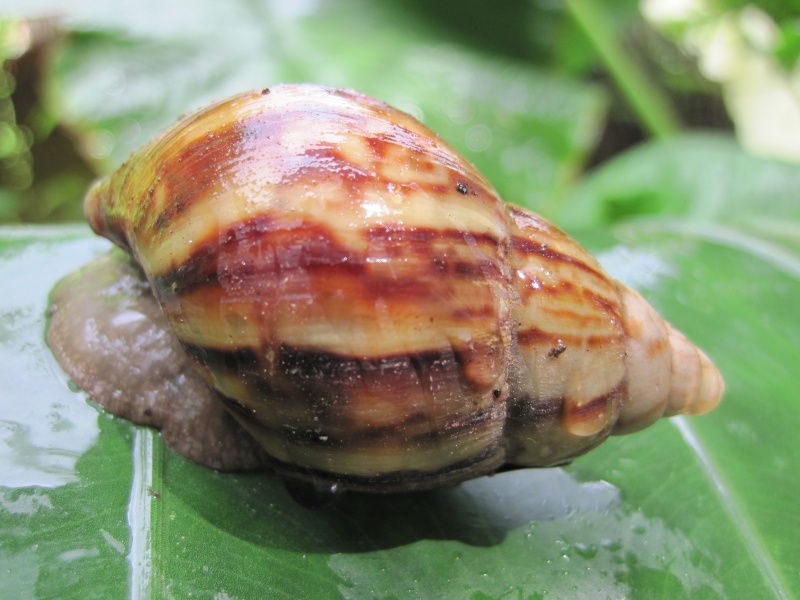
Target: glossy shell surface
[{"x": 369, "y": 308}]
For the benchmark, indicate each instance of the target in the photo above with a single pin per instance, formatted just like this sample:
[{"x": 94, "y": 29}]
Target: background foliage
[{"x": 664, "y": 134}]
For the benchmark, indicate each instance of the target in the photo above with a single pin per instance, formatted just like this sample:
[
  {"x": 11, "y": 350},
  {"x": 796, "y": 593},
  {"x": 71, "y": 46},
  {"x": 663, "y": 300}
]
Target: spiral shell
[{"x": 370, "y": 309}]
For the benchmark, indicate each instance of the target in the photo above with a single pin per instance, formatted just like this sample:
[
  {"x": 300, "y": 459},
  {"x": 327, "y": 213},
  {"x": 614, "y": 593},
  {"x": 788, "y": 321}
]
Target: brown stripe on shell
[
  {"x": 530, "y": 286},
  {"x": 317, "y": 164},
  {"x": 421, "y": 160},
  {"x": 534, "y": 410},
  {"x": 372, "y": 437},
  {"x": 566, "y": 311},
  {"x": 222, "y": 148},
  {"x": 422, "y": 395},
  {"x": 271, "y": 275},
  {"x": 265, "y": 246},
  {"x": 395, "y": 240},
  {"x": 551, "y": 431},
  {"x": 345, "y": 316},
  {"x": 608, "y": 305},
  {"x": 545, "y": 251},
  {"x": 243, "y": 253},
  {"x": 596, "y": 416},
  {"x": 534, "y": 435},
  {"x": 532, "y": 336},
  {"x": 416, "y": 410},
  {"x": 193, "y": 172},
  {"x": 192, "y": 166},
  {"x": 273, "y": 280}
]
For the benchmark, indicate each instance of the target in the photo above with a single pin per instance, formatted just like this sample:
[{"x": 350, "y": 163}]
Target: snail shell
[{"x": 368, "y": 307}]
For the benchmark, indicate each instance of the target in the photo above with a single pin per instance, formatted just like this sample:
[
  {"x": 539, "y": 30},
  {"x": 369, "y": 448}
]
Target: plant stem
[{"x": 651, "y": 106}]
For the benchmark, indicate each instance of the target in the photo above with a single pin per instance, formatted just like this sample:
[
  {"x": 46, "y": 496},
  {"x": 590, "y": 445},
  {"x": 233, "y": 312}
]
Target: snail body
[{"x": 370, "y": 310}]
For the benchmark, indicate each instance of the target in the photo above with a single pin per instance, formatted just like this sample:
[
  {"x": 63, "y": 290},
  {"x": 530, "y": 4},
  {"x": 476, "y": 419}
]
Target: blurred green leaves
[
  {"x": 16, "y": 171},
  {"x": 521, "y": 88},
  {"x": 515, "y": 87},
  {"x": 528, "y": 128},
  {"x": 532, "y": 92},
  {"x": 704, "y": 177},
  {"x": 42, "y": 177}
]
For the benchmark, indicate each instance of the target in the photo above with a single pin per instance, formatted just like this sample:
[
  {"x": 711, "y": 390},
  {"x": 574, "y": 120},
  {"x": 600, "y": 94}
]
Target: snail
[{"x": 362, "y": 302}]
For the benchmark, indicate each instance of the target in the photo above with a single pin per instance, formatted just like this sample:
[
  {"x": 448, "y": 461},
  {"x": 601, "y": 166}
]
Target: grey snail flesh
[
  {"x": 108, "y": 332},
  {"x": 369, "y": 309}
]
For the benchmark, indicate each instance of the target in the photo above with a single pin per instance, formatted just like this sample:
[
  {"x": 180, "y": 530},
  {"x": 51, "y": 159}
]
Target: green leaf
[
  {"x": 63, "y": 495},
  {"x": 787, "y": 50},
  {"x": 690, "y": 508},
  {"x": 702, "y": 176}
]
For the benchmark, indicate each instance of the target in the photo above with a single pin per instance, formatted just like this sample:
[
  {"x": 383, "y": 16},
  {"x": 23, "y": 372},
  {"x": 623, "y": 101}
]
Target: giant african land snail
[{"x": 370, "y": 310}]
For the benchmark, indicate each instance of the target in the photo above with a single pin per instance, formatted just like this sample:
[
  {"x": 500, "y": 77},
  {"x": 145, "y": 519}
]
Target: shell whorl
[{"x": 371, "y": 309}]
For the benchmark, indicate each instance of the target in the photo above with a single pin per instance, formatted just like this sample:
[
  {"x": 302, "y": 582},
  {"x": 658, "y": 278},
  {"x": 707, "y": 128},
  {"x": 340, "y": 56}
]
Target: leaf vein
[{"x": 752, "y": 540}]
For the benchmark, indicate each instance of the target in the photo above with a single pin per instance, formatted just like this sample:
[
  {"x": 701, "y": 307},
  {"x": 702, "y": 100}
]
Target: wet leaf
[{"x": 694, "y": 508}]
